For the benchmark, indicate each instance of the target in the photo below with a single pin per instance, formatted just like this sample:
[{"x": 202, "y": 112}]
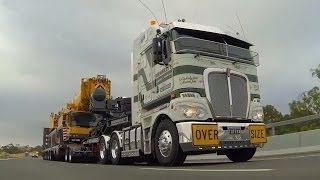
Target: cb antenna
[
  {"x": 240, "y": 25},
  {"x": 149, "y": 11},
  {"x": 164, "y": 10},
  {"x": 232, "y": 29}
]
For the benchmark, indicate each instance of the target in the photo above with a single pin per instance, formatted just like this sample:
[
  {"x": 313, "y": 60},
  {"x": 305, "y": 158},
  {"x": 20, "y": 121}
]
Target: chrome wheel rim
[
  {"x": 102, "y": 150},
  {"x": 114, "y": 149},
  {"x": 165, "y": 143}
]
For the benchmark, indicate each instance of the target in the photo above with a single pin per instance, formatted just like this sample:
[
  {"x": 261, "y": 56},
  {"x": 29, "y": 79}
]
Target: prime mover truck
[{"x": 195, "y": 90}]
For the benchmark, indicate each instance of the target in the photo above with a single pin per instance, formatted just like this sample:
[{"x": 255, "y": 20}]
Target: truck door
[
  {"x": 155, "y": 80},
  {"x": 145, "y": 75},
  {"x": 163, "y": 73}
]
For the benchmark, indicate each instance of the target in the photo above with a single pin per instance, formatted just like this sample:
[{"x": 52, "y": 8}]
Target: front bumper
[{"x": 227, "y": 139}]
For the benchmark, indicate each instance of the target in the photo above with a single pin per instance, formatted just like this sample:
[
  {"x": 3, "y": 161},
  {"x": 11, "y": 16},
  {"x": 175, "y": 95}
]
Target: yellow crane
[{"x": 72, "y": 123}]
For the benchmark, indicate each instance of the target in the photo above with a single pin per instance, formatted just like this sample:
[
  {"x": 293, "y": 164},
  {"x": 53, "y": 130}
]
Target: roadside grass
[{"x": 11, "y": 156}]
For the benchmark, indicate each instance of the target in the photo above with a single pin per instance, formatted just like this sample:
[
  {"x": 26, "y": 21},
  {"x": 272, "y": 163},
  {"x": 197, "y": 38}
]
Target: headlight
[
  {"x": 201, "y": 113},
  {"x": 257, "y": 115},
  {"x": 193, "y": 111},
  {"x": 189, "y": 112}
]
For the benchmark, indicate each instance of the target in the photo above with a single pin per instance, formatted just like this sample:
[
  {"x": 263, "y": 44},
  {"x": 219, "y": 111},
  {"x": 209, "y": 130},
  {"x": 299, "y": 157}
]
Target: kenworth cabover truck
[
  {"x": 70, "y": 126},
  {"x": 195, "y": 90}
]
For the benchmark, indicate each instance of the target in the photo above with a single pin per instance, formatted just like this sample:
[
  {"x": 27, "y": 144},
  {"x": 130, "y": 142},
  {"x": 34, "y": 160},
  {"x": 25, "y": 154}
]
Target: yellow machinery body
[{"x": 60, "y": 126}]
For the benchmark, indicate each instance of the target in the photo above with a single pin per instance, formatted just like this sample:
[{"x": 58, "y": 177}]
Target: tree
[
  {"x": 307, "y": 104},
  {"x": 10, "y": 148},
  {"x": 271, "y": 114},
  {"x": 316, "y": 72}
]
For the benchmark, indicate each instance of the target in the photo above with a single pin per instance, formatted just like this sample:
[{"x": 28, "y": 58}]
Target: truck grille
[{"x": 220, "y": 98}]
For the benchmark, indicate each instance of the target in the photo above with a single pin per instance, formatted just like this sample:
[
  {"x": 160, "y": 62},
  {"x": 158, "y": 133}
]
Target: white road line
[
  {"x": 3, "y": 159},
  {"x": 293, "y": 157},
  {"x": 210, "y": 170}
]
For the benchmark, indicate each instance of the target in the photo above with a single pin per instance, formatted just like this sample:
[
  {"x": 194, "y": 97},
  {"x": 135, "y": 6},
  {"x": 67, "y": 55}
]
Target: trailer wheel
[
  {"x": 66, "y": 155},
  {"x": 115, "y": 150},
  {"x": 167, "y": 148},
  {"x": 240, "y": 155},
  {"x": 44, "y": 157},
  {"x": 71, "y": 157},
  {"x": 103, "y": 152}
]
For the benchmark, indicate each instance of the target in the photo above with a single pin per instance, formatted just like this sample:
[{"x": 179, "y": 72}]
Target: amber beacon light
[{"x": 152, "y": 22}]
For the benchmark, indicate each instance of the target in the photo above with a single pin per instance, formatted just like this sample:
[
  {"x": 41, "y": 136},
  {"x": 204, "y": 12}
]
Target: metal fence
[{"x": 272, "y": 126}]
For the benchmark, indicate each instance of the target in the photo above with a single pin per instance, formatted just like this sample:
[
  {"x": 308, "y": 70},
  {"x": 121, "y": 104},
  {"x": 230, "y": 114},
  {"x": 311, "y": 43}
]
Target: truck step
[{"x": 131, "y": 153}]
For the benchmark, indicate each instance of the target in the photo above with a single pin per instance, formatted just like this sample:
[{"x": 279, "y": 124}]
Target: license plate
[
  {"x": 234, "y": 131},
  {"x": 205, "y": 134},
  {"x": 258, "y": 134}
]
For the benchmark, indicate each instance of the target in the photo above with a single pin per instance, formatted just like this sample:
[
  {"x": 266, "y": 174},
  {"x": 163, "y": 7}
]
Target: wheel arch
[
  {"x": 106, "y": 140},
  {"x": 119, "y": 134}
]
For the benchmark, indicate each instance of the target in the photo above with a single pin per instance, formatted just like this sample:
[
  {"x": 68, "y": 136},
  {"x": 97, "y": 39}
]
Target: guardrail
[{"x": 273, "y": 126}]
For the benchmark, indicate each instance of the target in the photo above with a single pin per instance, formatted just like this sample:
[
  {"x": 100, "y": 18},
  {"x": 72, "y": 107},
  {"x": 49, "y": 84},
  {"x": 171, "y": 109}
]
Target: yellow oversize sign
[
  {"x": 205, "y": 134},
  {"x": 257, "y": 134}
]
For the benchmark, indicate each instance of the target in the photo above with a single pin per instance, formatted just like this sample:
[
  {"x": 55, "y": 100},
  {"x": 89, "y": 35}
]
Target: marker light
[{"x": 152, "y": 22}]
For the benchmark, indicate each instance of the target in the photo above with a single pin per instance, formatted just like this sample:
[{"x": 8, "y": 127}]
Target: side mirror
[{"x": 157, "y": 50}]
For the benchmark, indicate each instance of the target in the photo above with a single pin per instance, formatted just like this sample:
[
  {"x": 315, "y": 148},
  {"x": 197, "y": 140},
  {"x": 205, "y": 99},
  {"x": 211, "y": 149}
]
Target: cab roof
[{"x": 199, "y": 27}]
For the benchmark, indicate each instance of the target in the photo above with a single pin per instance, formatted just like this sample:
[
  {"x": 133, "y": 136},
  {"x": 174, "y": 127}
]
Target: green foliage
[
  {"x": 316, "y": 72},
  {"x": 271, "y": 114},
  {"x": 307, "y": 104},
  {"x": 11, "y": 149},
  {"x": 16, "y": 149}
]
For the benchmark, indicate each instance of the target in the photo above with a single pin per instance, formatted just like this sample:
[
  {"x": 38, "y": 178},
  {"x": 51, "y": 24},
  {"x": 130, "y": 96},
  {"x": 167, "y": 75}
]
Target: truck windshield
[
  {"x": 212, "y": 44},
  {"x": 82, "y": 119}
]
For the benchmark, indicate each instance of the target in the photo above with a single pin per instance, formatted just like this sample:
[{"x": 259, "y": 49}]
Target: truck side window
[
  {"x": 149, "y": 57},
  {"x": 166, "y": 51}
]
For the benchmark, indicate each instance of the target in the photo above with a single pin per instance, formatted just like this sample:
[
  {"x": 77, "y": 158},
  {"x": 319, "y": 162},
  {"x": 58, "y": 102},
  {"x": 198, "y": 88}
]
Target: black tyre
[
  {"x": 53, "y": 157},
  {"x": 115, "y": 150},
  {"x": 167, "y": 149},
  {"x": 240, "y": 155},
  {"x": 72, "y": 158},
  {"x": 66, "y": 155},
  {"x": 45, "y": 156},
  {"x": 151, "y": 161},
  {"x": 103, "y": 152},
  {"x": 50, "y": 156}
]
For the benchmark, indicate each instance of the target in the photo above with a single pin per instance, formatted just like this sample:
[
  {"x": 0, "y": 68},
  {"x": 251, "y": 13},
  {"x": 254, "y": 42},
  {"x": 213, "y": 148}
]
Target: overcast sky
[{"x": 46, "y": 47}]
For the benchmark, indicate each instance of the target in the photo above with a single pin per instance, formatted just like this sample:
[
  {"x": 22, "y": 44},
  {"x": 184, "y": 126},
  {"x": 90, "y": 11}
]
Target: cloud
[{"x": 46, "y": 47}]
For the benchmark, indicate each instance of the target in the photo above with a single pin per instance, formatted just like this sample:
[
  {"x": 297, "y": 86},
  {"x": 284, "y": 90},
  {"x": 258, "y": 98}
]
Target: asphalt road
[{"x": 289, "y": 167}]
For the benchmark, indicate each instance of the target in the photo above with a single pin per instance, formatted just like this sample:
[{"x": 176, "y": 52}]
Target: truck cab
[{"x": 199, "y": 86}]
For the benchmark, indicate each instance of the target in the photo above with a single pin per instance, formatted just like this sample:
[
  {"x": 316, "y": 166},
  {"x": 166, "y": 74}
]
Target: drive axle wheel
[
  {"x": 103, "y": 152},
  {"x": 240, "y": 155},
  {"x": 115, "y": 150},
  {"x": 167, "y": 148}
]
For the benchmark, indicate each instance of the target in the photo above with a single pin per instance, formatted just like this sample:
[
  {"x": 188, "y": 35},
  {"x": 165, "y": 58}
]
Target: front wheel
[
  {"x": 167, "y": 148},
  {"x": 240, "y": 155}
]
